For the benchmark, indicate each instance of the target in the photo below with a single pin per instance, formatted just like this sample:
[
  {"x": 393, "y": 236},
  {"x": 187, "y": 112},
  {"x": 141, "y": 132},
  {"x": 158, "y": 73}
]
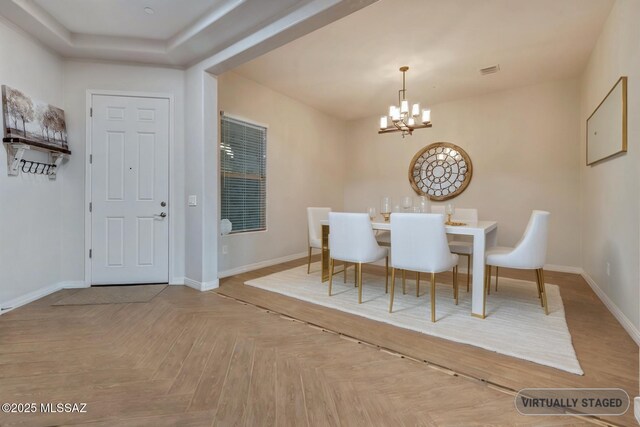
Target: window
[{"x": 243, "y": 158}]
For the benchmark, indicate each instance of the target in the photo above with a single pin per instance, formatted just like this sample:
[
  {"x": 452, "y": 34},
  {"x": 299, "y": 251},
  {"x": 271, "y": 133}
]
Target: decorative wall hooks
[
  {"x": 16, "y": 163},
  {"x": 37, "y": 168}
]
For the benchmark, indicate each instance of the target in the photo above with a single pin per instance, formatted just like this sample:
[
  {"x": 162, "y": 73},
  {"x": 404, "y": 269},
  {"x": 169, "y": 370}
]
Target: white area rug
[{"x": 515, "y": 325}]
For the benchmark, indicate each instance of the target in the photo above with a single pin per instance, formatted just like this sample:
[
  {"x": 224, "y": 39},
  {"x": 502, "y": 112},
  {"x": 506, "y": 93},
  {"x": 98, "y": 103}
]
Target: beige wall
[
  {"x": 305, "y": 167},
  {"x": 523, "y": 144},
  {"x": 610, "y": 191},
  {"x": 30, "y": 208}
]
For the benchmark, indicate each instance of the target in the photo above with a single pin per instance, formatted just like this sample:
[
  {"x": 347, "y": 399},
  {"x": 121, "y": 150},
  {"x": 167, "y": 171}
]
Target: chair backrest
[
  {"x": 531, "y": 250},
  {"x": 314, "y": 216},
  {"x": 351, "y": 237},
  {"x": 419, "y": 242}
]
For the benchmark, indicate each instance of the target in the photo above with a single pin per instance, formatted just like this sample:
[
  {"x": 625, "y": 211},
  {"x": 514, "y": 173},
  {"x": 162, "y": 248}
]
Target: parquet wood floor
[
  {"x": 607, "y": 354},
  {"x": 201, "y": 359}
]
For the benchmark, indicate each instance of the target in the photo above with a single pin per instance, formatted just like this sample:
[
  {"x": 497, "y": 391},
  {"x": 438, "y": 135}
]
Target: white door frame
[{"x": 87, "y": 180}]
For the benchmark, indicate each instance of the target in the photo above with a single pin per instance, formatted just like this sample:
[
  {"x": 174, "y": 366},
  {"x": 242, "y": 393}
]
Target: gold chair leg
[
  {"x": 540, "y": 288},
  {"x": 455, "y": 283},
  {"x": 417, "y": 283},
  {"x": 487, "y": 276},
  {"x": 386, "y": 275},
  {"x": 309, "y": 261},
  {"x": 355, "y": 275},
  {"x": 393, "y": 288},
  {"x": 489, "y": 284},
  {"x": 544, "y": 292},
  {"x": 359, "y": 267},
  {"x": 497, "y": 269},
  {"x": 433, "y": 297},
  {"x": 539, "y": 280},
  {"x": 330, "y": 275},
  {"x": 404, "y": 287},
  {"x": 468, "y": 271},
  {"x": 484, "y": 303}
]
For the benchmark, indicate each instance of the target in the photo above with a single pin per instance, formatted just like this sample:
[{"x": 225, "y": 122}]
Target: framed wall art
[
  {"x": 607, "y": 126},
  {"x": 33, "y": 122}
]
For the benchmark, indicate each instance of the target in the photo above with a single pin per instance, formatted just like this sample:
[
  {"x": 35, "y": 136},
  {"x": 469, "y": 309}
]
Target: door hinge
[
  {"x": 91, "y": 112},
  {"x": 90, "y": 253},
  {"x": 90, "y": 207},
  {"x": 90, "y": 159}
]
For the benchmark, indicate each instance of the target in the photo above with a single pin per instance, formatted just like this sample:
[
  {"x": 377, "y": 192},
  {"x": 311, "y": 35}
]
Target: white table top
[{"x": 470, "y": 229}]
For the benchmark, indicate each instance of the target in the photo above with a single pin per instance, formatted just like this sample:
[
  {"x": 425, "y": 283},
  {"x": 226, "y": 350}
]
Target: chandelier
[{"x": 400, "y": 118}]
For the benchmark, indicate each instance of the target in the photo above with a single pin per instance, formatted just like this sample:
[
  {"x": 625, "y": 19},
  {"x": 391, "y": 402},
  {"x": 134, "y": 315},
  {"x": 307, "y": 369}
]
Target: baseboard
[
  {"x": 613, "y": 308},
  {"x": 261, "y": 264},
  {"x": 177, "y": 281},
  {"x": 636, "y": 408},
  {"x": 12, "y": 304},
  {"x": 563, "y": 268},
  {"x": 201, "y": 286},
  {"x": 73, "y": 284},
  {"x": 25, "y": 299}
]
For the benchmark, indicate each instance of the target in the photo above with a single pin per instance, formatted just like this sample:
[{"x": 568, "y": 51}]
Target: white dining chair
[
  {"x": 528, "y": 254},
  {"x": 419, "y": 243},
  {"x": 314, "y": 216},
  {"x": 457, "y": 245},
  {"x": 351, "y": 240}
]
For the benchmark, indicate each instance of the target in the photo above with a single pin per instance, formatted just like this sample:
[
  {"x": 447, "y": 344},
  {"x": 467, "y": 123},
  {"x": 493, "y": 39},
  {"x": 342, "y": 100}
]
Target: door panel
[
  {"x": 115, "y": 241},
  {"x": 146, "y": 169},
  {"x": 129, "y": 182},
  {"x": 115, "y": 166},
  {"x": 146, "y": 242}
]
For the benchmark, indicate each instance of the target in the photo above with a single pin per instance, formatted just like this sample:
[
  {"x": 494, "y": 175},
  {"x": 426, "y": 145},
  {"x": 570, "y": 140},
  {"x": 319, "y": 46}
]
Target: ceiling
[
  {"x": 174, "y": 32},
  {"x": 128, "y": 18},
  {"x": 349, "y": 68}
]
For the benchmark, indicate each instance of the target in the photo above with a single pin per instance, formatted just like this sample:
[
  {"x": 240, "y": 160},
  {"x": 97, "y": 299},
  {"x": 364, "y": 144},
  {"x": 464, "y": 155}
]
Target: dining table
[{"x": 484, "y": 233}]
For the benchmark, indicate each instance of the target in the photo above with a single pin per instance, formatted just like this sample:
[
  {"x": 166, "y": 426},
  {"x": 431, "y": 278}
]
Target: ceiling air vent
[{"x": 490, "y": 70}]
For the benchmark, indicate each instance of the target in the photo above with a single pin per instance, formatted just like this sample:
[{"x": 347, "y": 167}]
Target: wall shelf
[{"x": 16, "y": 147}]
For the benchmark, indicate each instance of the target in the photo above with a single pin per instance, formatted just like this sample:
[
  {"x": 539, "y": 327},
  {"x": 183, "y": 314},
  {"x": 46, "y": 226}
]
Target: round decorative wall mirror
[{"x": 440, "y": 171}]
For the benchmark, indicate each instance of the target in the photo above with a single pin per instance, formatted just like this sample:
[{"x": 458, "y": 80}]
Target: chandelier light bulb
[
  {"x": 383, "y": 122},
  {"x": 411, "y": 122},
  {"x": 415, "y": 111},
  {"x": 391, "y": 110},
  {"x": 404, "y": 106},
  {"x": 426, "y": 116},
  {"x": 395, "y": 116}
]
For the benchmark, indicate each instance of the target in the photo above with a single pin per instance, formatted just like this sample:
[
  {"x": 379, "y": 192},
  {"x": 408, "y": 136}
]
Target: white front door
[{"x": 129, "y": 190}]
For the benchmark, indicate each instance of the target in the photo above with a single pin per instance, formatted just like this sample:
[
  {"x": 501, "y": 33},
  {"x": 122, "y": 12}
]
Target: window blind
[{"x": 243, "y": 158}]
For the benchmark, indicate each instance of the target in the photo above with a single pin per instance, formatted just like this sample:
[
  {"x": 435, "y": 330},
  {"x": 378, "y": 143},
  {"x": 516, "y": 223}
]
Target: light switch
[{"x": 193, "y": 200}]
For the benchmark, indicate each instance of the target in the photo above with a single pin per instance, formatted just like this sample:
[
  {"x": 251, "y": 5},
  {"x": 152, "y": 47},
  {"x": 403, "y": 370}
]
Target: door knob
[
  {"x": 163, "y": 204},
  {"x": 162, "y": 214}
]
